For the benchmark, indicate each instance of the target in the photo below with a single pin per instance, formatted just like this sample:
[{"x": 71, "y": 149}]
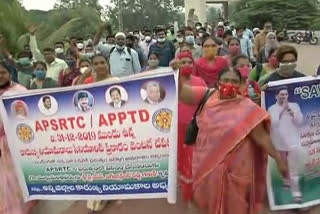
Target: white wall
[{"x": 199, "y": 6}]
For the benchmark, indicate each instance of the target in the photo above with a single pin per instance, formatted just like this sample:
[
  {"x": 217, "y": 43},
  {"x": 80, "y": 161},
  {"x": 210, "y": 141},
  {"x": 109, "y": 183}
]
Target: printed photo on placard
[
  {"x": 116, "y": 97},
  {"x": 48, "y": 105},
  {"x": 153, "y": 93}
]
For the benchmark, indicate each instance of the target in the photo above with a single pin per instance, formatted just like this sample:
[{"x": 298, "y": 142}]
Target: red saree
[{"x": 228, "y": 168}]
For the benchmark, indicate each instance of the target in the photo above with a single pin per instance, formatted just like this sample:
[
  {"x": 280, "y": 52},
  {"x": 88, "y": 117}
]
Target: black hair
[
  {"x": 281, "y": 89},
  {"x": 5, "y": 65},
  {"x": 237, "y": 58},
  {"x": 227, "y": 33},
  {"x": 160, "y": 30},
  {"x": 147, "y": 31},
  {"x": 226, "y": 70},
  {"x": 99, "y": 55},
  {"x": 234, "y": 38},
  {"x": 59, "y": 43},
  {"x": 24, "y": 54},
  {"x": 110, "y": 37},
  {"x": 181, "y": 31},
  {"x": 239, "y": 28},
  {"x": 45, "y": 97},
  {"x": 131, "y": 37},
  {"x": 156, "y": 54},
  {"x": 48, "y": 50},
  {"x": 40, "y": 63},
  {"x": 203, "y": 29},
  {"x": 198, "y": 23},
  {"x": 80, "y": 39},
  {"x": 72, "y": 37},
  {"x": 84, "y": 60},
  {"x": 136, "y": 31},
  {"x": 206, "y": 38},
  {"x": 220, "y": 26},
  {"x": 272, "y": 50},
  {"x": 115, "y": 89}
]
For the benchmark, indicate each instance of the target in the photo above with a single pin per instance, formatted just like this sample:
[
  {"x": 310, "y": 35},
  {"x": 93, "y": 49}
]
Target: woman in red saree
[
  {"x": 185, "y": 113},
  {"x": 230, "y": 155}
]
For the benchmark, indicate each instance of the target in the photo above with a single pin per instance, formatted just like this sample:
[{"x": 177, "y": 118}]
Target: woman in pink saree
[
  {"x": 230, "y": 154},
  {"x": 11, "y": 200}
]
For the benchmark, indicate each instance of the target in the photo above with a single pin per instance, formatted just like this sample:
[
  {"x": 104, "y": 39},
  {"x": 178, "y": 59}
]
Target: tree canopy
[
  {"x": 290, "y": 14},
  {"x": 140, "y": 13}
]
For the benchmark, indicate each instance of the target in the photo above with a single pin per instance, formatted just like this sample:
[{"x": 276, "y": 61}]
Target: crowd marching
[{"x": 222, "y": 69}]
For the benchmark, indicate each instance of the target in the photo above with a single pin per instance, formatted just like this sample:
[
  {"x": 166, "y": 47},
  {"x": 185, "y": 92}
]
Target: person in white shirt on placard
[
  {"x": 153, "y": 93},
  {"x": 286, "y": 118}
]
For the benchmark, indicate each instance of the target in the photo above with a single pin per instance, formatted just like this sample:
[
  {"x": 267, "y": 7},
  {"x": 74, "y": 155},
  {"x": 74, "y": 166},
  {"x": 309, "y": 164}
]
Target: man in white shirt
[
  {"x": 245, "y": 43},
  {"x": 153, "y": 93},
  {"x": 115, "y": 95},
  {"x": 48, "y": 106},
  {"x": 54, "y": 65},
  {"x": 190, "y": 41},
  {"x": 124, "y": 61},
  {"x": 148, "y": 41},
  {"x": 286, "y": 118}
]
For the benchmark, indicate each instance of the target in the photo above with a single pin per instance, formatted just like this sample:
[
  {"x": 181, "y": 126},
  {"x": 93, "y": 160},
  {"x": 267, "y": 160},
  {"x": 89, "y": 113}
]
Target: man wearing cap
[{"x": 124, "y": 61}]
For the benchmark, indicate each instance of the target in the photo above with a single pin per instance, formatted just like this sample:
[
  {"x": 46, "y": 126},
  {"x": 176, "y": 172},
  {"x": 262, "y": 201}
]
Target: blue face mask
[
  {"x": 25, "y": 61},
  {"x": 71, "y": 63},
  {"x": 40, "y": 74}
]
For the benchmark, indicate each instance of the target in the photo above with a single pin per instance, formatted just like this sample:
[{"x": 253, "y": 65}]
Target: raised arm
[
  {"x": 98, "y": 34},
  {"x": 33, "y": 44}
]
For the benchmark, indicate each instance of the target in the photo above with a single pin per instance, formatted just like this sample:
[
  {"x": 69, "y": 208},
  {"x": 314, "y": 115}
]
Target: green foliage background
[{"x": 81, "y": 17}]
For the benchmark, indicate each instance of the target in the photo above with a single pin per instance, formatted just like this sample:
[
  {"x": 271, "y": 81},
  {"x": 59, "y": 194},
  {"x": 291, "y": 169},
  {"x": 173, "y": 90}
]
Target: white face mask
[
  {"x": 148, "y": 38},
  {"x": 161, "y": 39},
  {"x": 180, "y": 40},
  {"x": 83, "y": 69},
  {"x": 59, "y": 50},
  {"x": 198, "y": 27},
  {"x": 287, "y": 69},
  {"x": 201, "y": 35},
  {"x": 190, "y": 40},
  {"x": 80, "y": 46}
]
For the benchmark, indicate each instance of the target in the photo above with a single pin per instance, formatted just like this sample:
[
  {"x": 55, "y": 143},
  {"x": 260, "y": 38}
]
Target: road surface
[{"x": 308, "y": 63}]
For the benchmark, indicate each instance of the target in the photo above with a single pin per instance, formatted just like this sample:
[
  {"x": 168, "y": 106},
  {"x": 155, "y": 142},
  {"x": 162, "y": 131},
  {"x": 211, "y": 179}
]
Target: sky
[{"x": 48, "y": 4}]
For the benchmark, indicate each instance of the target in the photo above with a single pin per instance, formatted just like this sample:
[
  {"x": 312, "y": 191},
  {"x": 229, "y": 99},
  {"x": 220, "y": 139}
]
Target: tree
[
  {"x": 290, "y": 14},
  {"x": 140, "y": 13},
  {"x": 67, "y": 4},
  {"x": 213, "y": 15},
  {"x": 11, "y": 14}
]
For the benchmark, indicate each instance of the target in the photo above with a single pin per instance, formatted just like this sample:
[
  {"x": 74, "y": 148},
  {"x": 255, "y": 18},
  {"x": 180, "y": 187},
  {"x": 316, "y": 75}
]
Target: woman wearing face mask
[
  {"x": 85, "y": 67},
  {"x": 261, "y": 71},
  {"x": 230, "y": 152},
  {"x": 41, "y": 81},
  {"x": 287, "y": 57},
  {"x": 153, "y": 62},
  {"x": 67, "y": 76},
  {"x": 210, "y": 65},
  {"x": 234, "y": 49},
  {"x": 185, "y": 113},
  {"x": 248, "y": 88},
  {"x": 271, "y": 43}
]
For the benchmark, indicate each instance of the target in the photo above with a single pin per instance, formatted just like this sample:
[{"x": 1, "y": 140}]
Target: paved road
[
  {"x": 308, "y": 58},
  {"x": 308, "y": 62}
]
